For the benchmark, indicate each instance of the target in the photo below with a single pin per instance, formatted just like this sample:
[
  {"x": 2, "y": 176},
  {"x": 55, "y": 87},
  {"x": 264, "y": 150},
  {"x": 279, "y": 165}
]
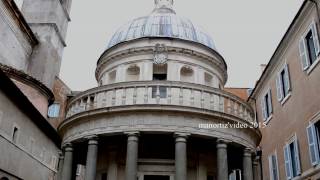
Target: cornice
[
  {"x": 27, "y": 79},
  {"x": 109, "y": 58}
]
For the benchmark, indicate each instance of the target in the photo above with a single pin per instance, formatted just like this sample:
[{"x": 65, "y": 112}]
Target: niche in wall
[
  {"x": 133, "y": 73},
  {"x": 112, "y": 76},
  {"x": 187, "y": 74}
]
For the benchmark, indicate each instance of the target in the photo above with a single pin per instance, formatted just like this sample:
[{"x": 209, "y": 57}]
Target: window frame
[
  {"x": 56, "y": 112},
  {"x": 307, "y": 66},
  {"x": 266, "y": 104},
  {"x": 271, "y": 168},
  {"x": 283, "y": 84},
  {"x": 314, "y": 145},
  {"x": 287, "y": 154}
]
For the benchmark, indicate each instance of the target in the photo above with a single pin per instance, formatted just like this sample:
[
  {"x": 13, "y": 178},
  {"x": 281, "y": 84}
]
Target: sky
[{"x": 245, "y": 32}]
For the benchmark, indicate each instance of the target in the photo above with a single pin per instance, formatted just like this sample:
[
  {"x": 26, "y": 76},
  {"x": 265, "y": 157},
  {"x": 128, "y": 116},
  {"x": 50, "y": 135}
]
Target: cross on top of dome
[
  {"x": 165, "y": 3},
  {"x": 162, "y": 5}
]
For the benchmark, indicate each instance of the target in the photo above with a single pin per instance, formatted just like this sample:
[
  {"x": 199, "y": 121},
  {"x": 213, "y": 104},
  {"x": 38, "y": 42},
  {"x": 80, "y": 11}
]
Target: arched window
[
  {"x": 112, "y": 76},
  {"x": 133, "y": 73},
  {"x": 186, "y": 74}
]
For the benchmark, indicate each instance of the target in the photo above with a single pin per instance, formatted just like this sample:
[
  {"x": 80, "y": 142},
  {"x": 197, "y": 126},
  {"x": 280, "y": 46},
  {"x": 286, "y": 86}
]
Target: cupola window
[
  {"x": 159, "y": 74},
  {"x": 187, "y": 74},
  {"x": 133, "y": 73}
]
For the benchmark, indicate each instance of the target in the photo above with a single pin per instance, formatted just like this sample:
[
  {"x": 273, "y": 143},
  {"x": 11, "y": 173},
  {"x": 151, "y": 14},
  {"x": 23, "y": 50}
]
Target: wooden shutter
[
  {"x": 271, "y": 167},
  {"x": 287, "y": 78},
  {"x": 264, "y": 109},
  {"x": 315, "y": 37},
  {"x": 270, "y": 101},
  {"x": 303, "y": 54},
  {"x": 313, "y": 145},
  {"x": 297, "y": 157},
  {"x": 279, "y": 88},
  {"x": 288, "y": 163}
]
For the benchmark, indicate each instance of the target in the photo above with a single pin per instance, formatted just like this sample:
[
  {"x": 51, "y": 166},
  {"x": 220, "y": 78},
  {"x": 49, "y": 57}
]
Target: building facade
[
  {"x": 287, "y": 101},
  {"x": 160, "y": 111},
  {"x": 32, "y": 39}
]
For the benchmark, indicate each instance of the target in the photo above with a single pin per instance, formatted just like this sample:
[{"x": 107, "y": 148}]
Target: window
[
  {"x": 309, "y": 47},
  {"x": 54, "y": 110},
  {"x": 159, "y": 74},
  {"x": 112, "y": 76},
  {"x": 15, "y": 135},
  {"x": 313, "y": 140},
  {"x": 266, "y": 105},
  {"x": 283, "y": 83},
  {"x": 292, "y": 159},
  {"x": 273, "y": 167}
]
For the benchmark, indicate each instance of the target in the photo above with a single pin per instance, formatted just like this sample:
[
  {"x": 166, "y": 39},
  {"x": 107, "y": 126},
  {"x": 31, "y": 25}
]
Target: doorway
[{"x": 154, "y": 177}]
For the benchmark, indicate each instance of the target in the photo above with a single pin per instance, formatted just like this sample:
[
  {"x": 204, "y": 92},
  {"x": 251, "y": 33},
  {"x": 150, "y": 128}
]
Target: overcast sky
[{"x": 245, "y": 32}]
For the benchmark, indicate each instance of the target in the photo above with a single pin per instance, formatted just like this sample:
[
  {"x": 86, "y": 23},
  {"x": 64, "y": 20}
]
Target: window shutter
[
  {"x": 297, "y": 157},
  {"x": 271, "y": 167},
  {"x": 315, "y": 37},
  {"x": 279, "y": 88},
  {"x": 303, "y": 54},
  {"x": 264, "y": 109},
  {"x": 270, "y": 101},
  {"x": 287, "y": 160},
  {"x": 313, "y": 145},
  {"x": 287, "y": 78}
]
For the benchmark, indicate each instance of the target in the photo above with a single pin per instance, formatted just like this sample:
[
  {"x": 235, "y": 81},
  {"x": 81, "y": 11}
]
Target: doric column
[
  {"x": 181, "y": 156},
  {"x": 256, "y": 168},
  {"x": 222, "y": 160},
  {"x": 67, "y": 163},
  {"x": 92, "y": 155},
  {"x": 60, "y": 165},
  {"x": 247, "y": 164},
  {"x": 132, "y": 156}
]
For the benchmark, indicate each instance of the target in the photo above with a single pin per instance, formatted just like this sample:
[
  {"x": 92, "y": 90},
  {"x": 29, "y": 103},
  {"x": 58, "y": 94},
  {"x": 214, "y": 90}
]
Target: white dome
[{"x": 162, "y": 22}]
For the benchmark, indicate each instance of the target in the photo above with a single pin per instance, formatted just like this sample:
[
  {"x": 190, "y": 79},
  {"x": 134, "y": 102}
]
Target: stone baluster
[
  {"x": 212, "y": 102},
  {"x": 114, "y": 94},
  {"x": 158, "y": 94},
  {"x": 221, "y": 104},
  {"x": 202, "y": 99},
  {"x": 124, "y": 96},
  {"x": 104, "y": 99},
  {"x": 181, "y": 96},
  {"x": 135, "y": 95},
  {"x": 169, "y": 95},
  {"x": 192, "y": 97},
  {"x": 146, "y": 89}
]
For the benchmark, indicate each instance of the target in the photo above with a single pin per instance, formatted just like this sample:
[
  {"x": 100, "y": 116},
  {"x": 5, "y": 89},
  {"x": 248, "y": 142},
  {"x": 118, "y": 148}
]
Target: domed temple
[{"x": 161, "y": 111}]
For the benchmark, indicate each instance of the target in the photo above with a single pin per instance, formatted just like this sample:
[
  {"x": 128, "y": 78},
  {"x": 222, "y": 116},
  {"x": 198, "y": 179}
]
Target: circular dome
[{"x": 162, "y": 22}]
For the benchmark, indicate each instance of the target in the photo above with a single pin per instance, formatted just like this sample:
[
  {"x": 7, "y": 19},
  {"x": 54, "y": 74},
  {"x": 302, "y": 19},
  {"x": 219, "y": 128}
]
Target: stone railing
[{"x": 167, "y": 93}]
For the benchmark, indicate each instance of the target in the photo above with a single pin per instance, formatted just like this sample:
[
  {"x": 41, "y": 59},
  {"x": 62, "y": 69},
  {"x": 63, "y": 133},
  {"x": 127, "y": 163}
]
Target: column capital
[
  {"x": 248, "y": 152},
  {"x": 92, "y": 139},
  {"x": 133, "y": 135},
  {"x": 68, "y": 147},
  {"x": 222, "y": 143},
  {"x": 181, "y": 137}
]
